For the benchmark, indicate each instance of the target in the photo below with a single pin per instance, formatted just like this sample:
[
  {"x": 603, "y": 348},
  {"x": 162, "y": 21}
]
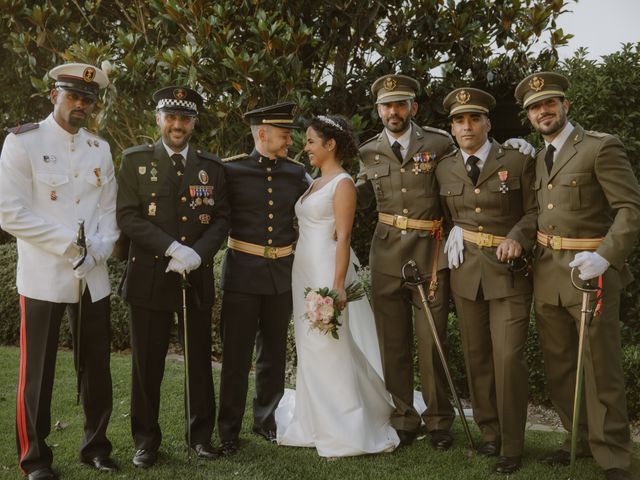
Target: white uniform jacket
[{"x": 50, "y": 179}]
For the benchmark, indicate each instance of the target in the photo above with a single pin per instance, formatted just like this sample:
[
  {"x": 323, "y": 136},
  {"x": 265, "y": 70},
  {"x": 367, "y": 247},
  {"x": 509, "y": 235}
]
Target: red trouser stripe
[{"x": 22, "y": 380}]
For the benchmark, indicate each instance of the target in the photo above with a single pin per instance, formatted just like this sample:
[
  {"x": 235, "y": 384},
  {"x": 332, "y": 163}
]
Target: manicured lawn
[{"x": 256, "y": 459}]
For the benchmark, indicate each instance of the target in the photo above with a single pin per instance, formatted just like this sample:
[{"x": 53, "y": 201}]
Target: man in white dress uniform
[{"x": 53, "y": 174}]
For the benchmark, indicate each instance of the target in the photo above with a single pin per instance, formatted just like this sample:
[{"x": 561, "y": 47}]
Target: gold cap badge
[
  {"x": 89, "y": 74},
  {"x": 463, "y": 97},
  {"x": 390, "y": 84},
  {"x": 536, "y": 84}
]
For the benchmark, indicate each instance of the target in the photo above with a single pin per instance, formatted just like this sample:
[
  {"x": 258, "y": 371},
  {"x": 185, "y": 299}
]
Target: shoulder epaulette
[
  {"x": 207, "y": 155},
  {"x": 235, "y": 157},
  {"x": 593, "y": 133},
  {"x": 452, "y": 153},
  {"x": 375, "y": 137},
  {"x": 139, "y": 149},
  {"x": 436, "y": 130},
  {"x": 27, "y": 127},
  {"x": 289, "y": 159}
]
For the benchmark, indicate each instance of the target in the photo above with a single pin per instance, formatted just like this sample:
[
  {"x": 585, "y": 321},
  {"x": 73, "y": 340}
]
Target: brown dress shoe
[
  {"x": 441, "y": 439},
  {"x": 617, "y": 474},
  {"x": 489, "y": 449},
  {"x": 508, "y": 465}
]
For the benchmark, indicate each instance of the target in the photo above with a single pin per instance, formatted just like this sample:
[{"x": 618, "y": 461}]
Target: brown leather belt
[
  {"x": 259, "y": 250},
  {"x": 482, "y": 239},
  {"x": 403, "y": 223},
  {"x": 555, "y": 242}
]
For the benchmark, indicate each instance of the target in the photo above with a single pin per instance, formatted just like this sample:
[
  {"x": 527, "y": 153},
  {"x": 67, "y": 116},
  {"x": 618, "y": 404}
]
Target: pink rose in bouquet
[{"x": 321, "y": 307}]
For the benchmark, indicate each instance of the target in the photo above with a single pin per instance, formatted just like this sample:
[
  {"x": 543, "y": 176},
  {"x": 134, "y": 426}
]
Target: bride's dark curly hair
[{"x": 338, "y": 128}]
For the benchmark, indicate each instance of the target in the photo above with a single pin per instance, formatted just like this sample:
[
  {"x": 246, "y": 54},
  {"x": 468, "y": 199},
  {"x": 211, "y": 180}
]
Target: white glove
[
  {"x": 83, "y": 269},
  {"x": 185, "y": 255},
  {"x": 98, "y": 249},
  {"x": 454, "y": 247},
  {"x": 522, "y": 145},
  {"x": 590, "y": 264},
  {"x": 176, "y": 266}
]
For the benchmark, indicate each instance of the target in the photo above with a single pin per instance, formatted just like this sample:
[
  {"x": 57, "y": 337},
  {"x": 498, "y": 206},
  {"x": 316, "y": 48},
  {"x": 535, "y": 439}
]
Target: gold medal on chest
[
  {"x": 203, "y": 177},
  {"x": 152, "y": 209}
]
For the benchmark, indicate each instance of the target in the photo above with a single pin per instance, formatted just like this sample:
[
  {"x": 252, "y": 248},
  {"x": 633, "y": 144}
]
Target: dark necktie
[
  {"x": 177, "y": 163},
  {"x": 396, "y": 150},
  {"x": 548, "y": 157},
  {"x": 474, "y": 170}
]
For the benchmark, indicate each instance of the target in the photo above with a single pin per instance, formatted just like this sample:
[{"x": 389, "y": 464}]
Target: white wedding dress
[{"x": 340, "y": 405}]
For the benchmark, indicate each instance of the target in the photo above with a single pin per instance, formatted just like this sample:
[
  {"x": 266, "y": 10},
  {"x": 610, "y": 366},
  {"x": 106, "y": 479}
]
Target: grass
[{"x": 257, "y": 459}]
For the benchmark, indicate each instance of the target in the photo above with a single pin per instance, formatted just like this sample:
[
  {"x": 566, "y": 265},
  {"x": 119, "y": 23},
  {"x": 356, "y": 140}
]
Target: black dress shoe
[
  {"x": 406, "y": 437},
  {"x": 229, "y": 447},
  {"x": 145, "y": 458},
  {"x": 102, "y": 464},
  {"x": 617, "y": 474},
  {"x": 42, "y": 474},
  {"x": 441, "y": 439},
  {"x": 267, "y": 434},
  {"x": 205, "y": 450},
  {"x": 508, "y": 465},
  {"x": 560, "y": 458},
  {"x": 489, "y": 449}
]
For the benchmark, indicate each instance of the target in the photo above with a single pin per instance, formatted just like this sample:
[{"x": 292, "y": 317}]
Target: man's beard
[{"x": 402, "y": 127}]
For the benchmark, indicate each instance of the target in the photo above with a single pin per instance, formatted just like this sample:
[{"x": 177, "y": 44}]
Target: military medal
[
  {"x": 96, "y": 172},
  {"x": 152, "y": 209},
  {"x": 503, "y": 175},
  {"x": 423, "y": 162},
  {"x": 204, "y": 218},
  {"x": 49, "y": 158},
  {"x": 154, "y": 174},
  {"x": 203, "y": 177},
  {"x": 88, "y": 142},
  {"x": 53, "y": 195},
  {"x": 198, "y": 201}
]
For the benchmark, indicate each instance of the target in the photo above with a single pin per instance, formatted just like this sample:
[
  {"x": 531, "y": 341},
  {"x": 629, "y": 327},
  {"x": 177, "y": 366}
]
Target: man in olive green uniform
[
  {"x": 172, "y": 204},
  {"x": 488, "y": 190},
  {"x": 588, "y": 218},
  {"x": 398, "y": 170}
]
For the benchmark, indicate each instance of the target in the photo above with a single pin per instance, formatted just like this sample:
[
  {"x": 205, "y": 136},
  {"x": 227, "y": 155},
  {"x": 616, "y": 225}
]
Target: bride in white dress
[{"x": 340, "y": 405}]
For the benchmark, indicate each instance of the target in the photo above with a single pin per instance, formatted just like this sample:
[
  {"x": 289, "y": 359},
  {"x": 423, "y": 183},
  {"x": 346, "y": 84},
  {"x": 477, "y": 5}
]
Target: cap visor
[{"x": 394, "y": 98}]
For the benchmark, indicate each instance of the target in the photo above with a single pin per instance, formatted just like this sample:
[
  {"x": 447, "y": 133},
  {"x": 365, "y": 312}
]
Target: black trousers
[
  {"x": 39, "y": 332},
  {"x": 249, "y": 320},
  {"x": 150, "y": 331}
]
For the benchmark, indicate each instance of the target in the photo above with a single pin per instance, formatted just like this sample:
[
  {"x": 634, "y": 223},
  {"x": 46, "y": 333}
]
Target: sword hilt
[{"x": 81, "y": 243}]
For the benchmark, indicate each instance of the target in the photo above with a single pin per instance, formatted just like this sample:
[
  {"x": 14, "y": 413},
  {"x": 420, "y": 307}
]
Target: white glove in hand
[
  {"x": 185, "y": 255},
  {"x": 523, "y": 146},
  {"x": 98, "y": 249},
  {"x": 590, "y": 264},
  {"x": 86, "y": 266},
  {"x": 454, "y": 247},
  {"x": 176, "y": 266}
]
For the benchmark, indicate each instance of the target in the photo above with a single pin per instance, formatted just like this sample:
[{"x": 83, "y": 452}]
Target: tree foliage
[{"x": 244, "y": 53}]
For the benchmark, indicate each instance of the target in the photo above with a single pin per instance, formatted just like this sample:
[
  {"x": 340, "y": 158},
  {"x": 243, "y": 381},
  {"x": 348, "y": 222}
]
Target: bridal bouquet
[{"x": 321, "y": 307}]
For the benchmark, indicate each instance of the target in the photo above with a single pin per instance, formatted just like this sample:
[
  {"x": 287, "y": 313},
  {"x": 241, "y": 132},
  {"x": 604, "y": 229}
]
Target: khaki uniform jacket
[
  {"x": 484, "y": 208},
  {"x": 591, "y": 192},
  {"x": 399, "y": 191}
]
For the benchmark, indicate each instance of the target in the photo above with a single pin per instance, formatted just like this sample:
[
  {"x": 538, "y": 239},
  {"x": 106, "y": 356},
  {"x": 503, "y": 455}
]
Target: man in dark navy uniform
[
  {"x": 262, "y": 188},
  {"x": 172, "y": 204}
]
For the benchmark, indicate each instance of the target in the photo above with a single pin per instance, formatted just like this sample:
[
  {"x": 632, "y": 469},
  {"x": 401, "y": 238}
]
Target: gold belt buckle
[
  {"x": 400, "y": 221},
  {"x": 554, "y": 242},
  {"x": 485, "y": 240},
  {"x": 270, "y": 252}
]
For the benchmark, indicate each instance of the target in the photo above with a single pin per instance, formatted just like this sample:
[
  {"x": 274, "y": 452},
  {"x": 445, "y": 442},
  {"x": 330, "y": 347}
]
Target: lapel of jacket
[
  {"x": 492, "y": 164},
  {"x": 567, "y": 151},
  {"x": 383, "y": 147},
  {"x": 458, "y": 168},
  {"x": 163, "y": 164},
  {"x": 416, "y": 144}
]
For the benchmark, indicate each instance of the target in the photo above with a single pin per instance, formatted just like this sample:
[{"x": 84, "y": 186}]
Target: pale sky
[{"x": 600, "y": 25}]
